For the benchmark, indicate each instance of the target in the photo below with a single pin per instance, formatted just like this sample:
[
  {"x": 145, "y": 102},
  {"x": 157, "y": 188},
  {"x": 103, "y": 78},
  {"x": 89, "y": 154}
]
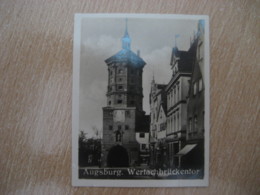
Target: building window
[
  {"x": 132, "y": 102},
  {"x": 127, "y": 113},
  {"x": 141, "y": 135},
  {"x": 178, "y": 93},
  {"x": 169, "y": 100},
  {"x": 174, "y": 123},
  {"x": 195, "y": 123},
  {"x": 143, "y": 146},
  {"x": 177, "y": 122},
  {"x": 174, "y": 96},
  {"x": 119, "y": 101},
  {"x": 194, "y": 88},
  {"x": 119, "y": 127},
  {"x": 171, "y": 129},
  {"x": 108, "y": 113},
  {"x": 162, "y": 126},
  {"x": 109, "y": 103},
  {"x": 190, "y": 125},
  {"x": 110, "y": 127},
  {"x": 120, "y": 79},
  {"x": 118, "y": 137},
  {"x": 126, "y": 127},
  {"x": 120, "y": 87},
  {"x": 200, "y": 85}
]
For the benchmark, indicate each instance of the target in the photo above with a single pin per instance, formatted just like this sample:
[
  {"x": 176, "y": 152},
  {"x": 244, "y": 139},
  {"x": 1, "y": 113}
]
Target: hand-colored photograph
[{"x": 140, "y": 100}]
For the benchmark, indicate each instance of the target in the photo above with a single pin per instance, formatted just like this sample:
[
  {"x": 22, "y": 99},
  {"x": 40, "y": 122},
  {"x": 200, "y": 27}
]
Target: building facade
[
  {"x": 158, "y": 125},
  {"x": 142, "y": 137},
  {"x": 177, "y": 91},
  {"x": 123, "y": 116},
  {"x": 196, "y": 107}
]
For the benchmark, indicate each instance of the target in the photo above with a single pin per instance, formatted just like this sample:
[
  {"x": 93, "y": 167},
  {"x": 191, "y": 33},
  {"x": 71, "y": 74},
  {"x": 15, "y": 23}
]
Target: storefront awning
[{"x": 186, "y": 149}]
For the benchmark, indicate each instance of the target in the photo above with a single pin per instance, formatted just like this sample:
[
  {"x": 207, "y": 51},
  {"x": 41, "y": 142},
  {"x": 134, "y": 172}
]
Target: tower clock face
[{"x": 119, "y": 116}]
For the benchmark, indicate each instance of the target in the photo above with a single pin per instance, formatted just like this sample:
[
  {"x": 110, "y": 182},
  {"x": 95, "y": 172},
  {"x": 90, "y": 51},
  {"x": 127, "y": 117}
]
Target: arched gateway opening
[{"x": 117, "y": 157}]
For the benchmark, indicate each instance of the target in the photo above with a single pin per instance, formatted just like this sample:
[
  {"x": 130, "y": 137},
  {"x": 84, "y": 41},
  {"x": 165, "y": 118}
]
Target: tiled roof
[{"x": 126, "y": 55}]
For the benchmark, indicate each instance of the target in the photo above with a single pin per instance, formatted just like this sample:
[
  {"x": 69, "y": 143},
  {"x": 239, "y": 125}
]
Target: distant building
[
  {"x": 196, "y": 107},
  {"x": 158, "y": 105},
  {"x": 123, "y": 116},
  {"x": 177, "y": 91},
  {"x": 142, "y": 137}
]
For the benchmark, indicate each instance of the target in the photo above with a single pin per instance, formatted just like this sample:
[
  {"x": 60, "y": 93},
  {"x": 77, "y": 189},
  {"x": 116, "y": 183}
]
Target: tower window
[
  {"x": 118, "y": 137},
  {"x": 110, "y": 127},
  {"x": 126, "y": 127},
  {"x": 141, "y": 135},
  {"x": 127, "y": 113},
  {"x": 119, "y": 101},
  {"x": 120, "y": 71},
  {"x": 119, "y": 127},
  {"x": 109, "y": 103},
  {"x": 132, "y": 102},
  {"x": 120, "y": 87}
]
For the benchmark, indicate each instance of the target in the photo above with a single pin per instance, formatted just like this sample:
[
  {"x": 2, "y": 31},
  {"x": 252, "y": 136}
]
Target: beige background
[{"x": 36, "y": 90}]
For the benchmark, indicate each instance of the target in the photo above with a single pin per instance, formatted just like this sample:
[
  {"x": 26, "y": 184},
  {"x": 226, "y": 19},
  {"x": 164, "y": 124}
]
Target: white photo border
[{"x": 75, "y": 110}]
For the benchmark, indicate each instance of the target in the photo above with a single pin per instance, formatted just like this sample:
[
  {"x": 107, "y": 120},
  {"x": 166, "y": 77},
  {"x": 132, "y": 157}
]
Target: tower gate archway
[{"x": 118, "y": 157}]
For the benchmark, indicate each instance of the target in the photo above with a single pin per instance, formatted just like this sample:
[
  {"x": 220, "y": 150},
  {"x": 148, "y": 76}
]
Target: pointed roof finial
[
  {"x": 153, "y": 80},
  {"x": 126, "y": 40},
  {"x": 126, "y": 27}
]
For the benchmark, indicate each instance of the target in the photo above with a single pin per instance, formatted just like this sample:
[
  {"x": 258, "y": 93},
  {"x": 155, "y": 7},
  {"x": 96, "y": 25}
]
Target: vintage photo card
[{"x": 140, "y": 100}]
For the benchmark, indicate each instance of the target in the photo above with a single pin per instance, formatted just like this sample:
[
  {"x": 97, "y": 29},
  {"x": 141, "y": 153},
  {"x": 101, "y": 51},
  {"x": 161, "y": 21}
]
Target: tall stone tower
[{"x": 124, "y": 114}]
